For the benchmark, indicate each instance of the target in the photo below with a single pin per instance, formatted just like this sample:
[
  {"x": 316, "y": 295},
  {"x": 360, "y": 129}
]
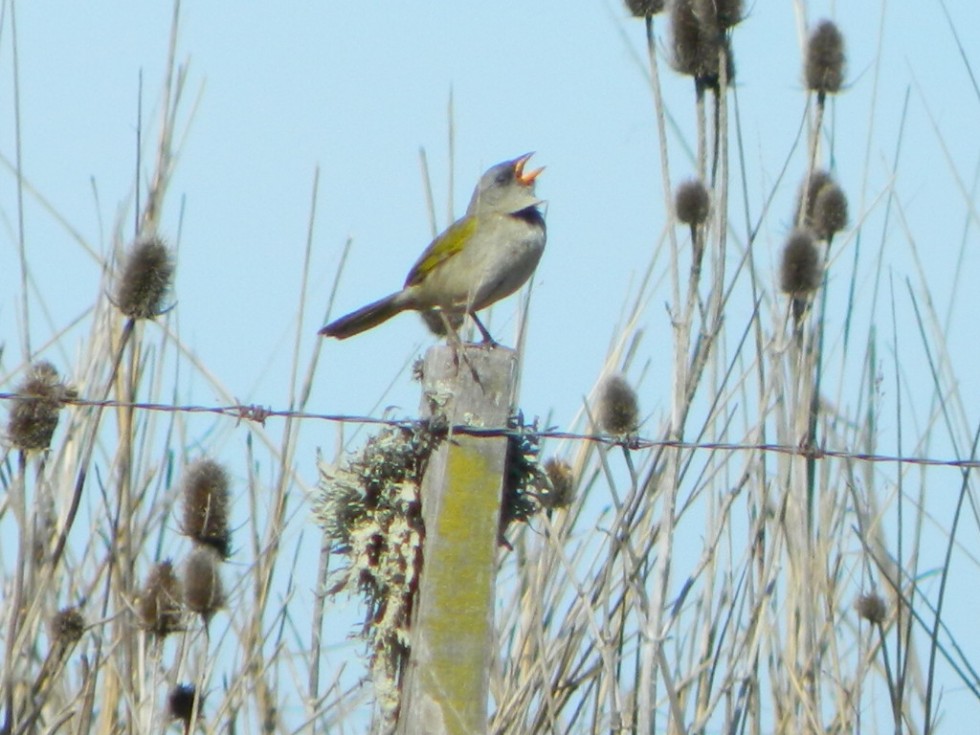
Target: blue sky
[
  {"x": 275, "y": 91},
  {"x": 357, "y": 89}
]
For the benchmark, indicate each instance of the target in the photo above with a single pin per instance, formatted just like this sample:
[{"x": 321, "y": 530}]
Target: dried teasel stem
[
  {"x": 695, "y": 54},
  {"x": 30, "y": 428},
  {"x": 143, "y": 284},
  {"x": 692, "y": 206},
  {"x": 823, "y": 71},
  {"x": 65, "y": 629}
]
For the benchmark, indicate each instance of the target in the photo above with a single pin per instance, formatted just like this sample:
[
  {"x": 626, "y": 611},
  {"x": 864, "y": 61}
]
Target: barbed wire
[{"x": 260, "y": 414}]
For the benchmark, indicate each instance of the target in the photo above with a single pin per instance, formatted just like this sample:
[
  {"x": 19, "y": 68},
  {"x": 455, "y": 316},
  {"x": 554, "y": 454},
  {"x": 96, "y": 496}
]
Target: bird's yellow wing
[{"x": 444, "y": 247}]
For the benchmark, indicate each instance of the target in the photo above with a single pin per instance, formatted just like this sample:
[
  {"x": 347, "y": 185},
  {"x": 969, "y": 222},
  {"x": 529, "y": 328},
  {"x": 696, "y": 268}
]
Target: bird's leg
[
  {"x": 487, "y": 339},
  {"x": 452, "y": 336}
]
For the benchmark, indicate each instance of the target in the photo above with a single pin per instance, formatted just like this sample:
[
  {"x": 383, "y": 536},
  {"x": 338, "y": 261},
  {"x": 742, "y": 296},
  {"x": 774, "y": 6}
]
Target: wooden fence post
[{"x": 446, "y": 685}]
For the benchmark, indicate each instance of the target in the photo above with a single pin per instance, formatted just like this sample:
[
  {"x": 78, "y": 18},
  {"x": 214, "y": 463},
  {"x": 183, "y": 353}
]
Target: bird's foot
[{"x": 488, "y": 341}]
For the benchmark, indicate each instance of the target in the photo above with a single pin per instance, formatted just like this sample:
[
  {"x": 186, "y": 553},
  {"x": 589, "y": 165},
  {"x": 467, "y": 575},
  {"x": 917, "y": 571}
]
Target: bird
[{"x": 483, "y": 257}]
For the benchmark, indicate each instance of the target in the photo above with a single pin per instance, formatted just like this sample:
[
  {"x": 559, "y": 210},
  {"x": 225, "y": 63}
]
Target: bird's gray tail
[{"x": 365, "y": 318}]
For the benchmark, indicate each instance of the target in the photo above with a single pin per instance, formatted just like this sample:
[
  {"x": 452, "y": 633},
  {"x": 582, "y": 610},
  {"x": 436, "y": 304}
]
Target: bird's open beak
[{"x": 526, "y": 178}]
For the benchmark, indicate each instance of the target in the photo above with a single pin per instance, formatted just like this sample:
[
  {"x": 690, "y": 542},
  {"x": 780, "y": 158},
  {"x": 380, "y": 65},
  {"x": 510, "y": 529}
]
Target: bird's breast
[{"x": 497, "y": 259}]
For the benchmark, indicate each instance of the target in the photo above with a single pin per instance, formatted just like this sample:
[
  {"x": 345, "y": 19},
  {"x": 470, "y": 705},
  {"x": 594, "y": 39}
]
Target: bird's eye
[{"x": 504, "y": 177}]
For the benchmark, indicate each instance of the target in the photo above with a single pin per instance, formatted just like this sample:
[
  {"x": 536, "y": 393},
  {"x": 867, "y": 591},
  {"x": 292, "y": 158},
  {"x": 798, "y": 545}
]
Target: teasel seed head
[
  {"x": 809, "y": 190},
  {"x": 800, "y": 272},
  {"x": 698, "y": 40},
  {"x": 159, "y": 605},
  {"x": 34, "y": 413},
  {"x": 206, "y": 500},
  {"x": 692, "y": 203},
  {"x": 694, "y": 52},
  {"x": 822, "y": 206},
  {"x": 645, "y": 8},
  {"x": 180, "y": 704},
  {"x": 203, "y": 591},
  {"x": 872, "y": 608},
  {"x": 562, "y": 481},
  {"x": 729, "y": 13},
  {"x": 824, "y": 65},
  {"x": 146, "y": 278},
  {"x": 67, "y": 626},
  {"x": 619, "y": 411},
  {"x": 829, "y": 212}
]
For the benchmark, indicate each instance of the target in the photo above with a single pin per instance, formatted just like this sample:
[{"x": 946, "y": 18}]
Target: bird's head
[{"x": 506, "y": 188}]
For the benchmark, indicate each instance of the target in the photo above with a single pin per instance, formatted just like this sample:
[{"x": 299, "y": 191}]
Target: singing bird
[{"x": 484, "y": 256}]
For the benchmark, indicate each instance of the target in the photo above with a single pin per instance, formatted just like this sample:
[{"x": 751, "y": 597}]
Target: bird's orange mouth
[{"x": 526, "y": 178}]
